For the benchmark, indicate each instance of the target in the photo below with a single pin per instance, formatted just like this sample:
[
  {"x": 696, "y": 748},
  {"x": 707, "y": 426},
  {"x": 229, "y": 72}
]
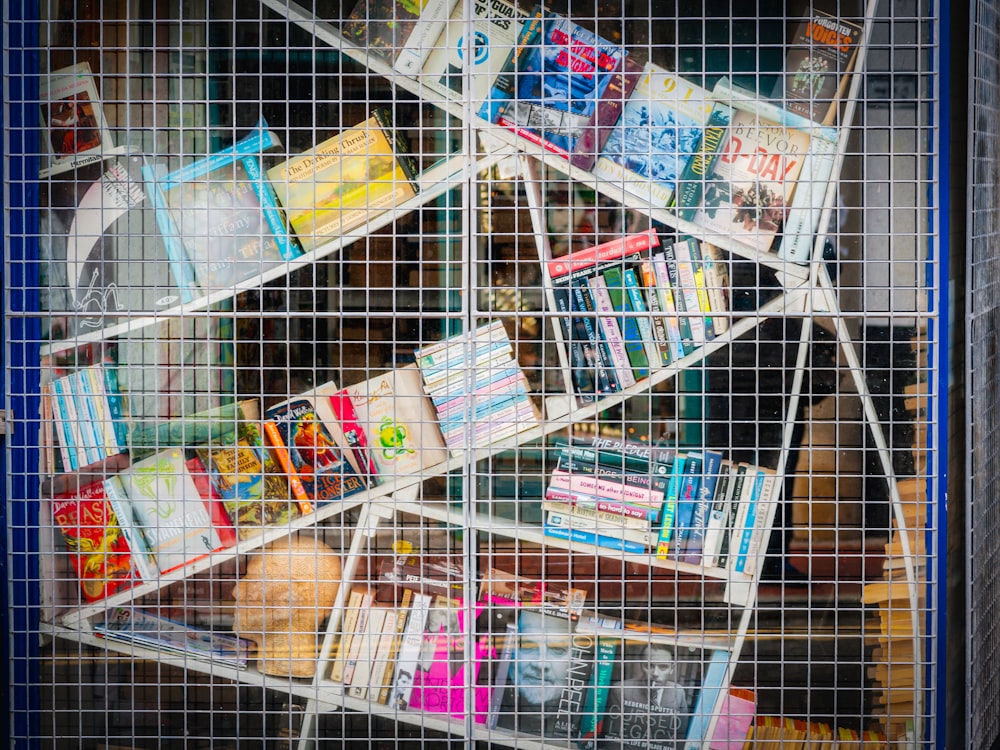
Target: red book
[
  {"x": 611, "y": 250},
  {"x": 216, "y": 508},
  {"x": 97, "y": 546}
]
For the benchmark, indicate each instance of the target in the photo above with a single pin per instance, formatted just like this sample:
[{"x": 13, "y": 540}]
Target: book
[
  {"x": 628, "y": 323},
  {"x": 716, "y": 269},
  {"x": 549, "y": 672},
  {"x": 383, "y": 27},
  {"x": 434, "y": 14},
  {"x": 170, "y": 511},
  {"x": 354, "y": 435},
  {"x": 583, "y": 536},
  {"x": 402, "y": 614},
  {"x": 211, "y": 426},
  {"x": 74, "y": 130},
  {"x": 736, "y": 715},
  {"x": 252, "y": 485},
  {"x": 496, "y": 26},
  {"x": 504, "y": 87},
  {"x": 366, "y": 652},
  {"x": 818, "y": 64},
  {"x": 686, "y": 289},
  {"x": 399, "y": 422},
  {"x": 221, "y": 213},
  {"x": 567, "y": 480},
  {"x": 755, "y": 534},
  {"x": 560, "y": 78},
  {"x": 348, "y": 626},
  {"x": 660, "y": 127},
  {"x": 146, "y": 629},
  {"x": 742, "y": 531},
  {"x": 409, "y": 651},
  {"x": 588, "y": 259},
  {"x": 98, "y": 548},
  {"x": 610, "y": 332},
  {"x": 353, "y": 648},
  {"x": 715, "y": 527},
  {"x": 607, "y": 114},
  {"x": 748, "y": 192},
  {"x": 691, "y": 182},
  {"x": 89, "y": 414},
  {"x": 591, "y": 725},
  {"x": 687, "y": 501},
  {"x": 695, "y": 541},
  {"x": 666, "y": 542},
  {"x": 346, "y": 180},
  {"x": 654, "y": 690},
  {"x": 320, "y": 462},
  {"x": 799, "y": 232},
  {"x": 103, "y": 258}
]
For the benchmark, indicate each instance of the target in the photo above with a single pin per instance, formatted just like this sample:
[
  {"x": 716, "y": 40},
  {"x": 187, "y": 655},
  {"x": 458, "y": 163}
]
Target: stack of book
[
  {"x": 87, "y": 417},
  {"x": 477, "y": 387},
  {"x": 635, "y": 304},
  {"x": 782, "y": 733},
  {"x": 895, "y": 660}
]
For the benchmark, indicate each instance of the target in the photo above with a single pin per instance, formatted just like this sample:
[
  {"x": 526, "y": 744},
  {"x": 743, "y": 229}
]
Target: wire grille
[{"x": 160, "y": 306}]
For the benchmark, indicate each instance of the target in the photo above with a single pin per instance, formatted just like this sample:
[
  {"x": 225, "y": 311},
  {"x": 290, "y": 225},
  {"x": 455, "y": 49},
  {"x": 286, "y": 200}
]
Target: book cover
[
  {"x": 748, "y": 192},
  {"x": 548, "y": 677},
  {"x": 799, "y": 233},
  {"x": 691, "y": 181},
  {"x": 103, "y": 258},
  {"x": 324, "y": 470},
  {"x": 98, "y": 547},
  {"x": 817, "y": 66},
  {"x": 149, "y": 630},
  {"x": 223, "y": 214},
  {"x": 736, "y": 715},
  {"x": 591, "y": 725},
  {"x": 559, "y": 82},
  {"x": 252, "y": 486},
  {"x": 651, "y": 700},
  {"x": 496, "y": 26},
  {"x": 661, "y": 126},
  {"x": 607, "y": 114},
  {"x": 399, "y": 422},
  {"x": 422, "y": 39},
  {"x": 354, "y": 435},
  {"x": 504, "y": 87},
  {"x": 211, "y": 426},
  {"x": 75, "y": 131},
  {"x": 345, "y": 181},
  {"x": 169, "y": 509},
  {"x": 409, "y": 651}
]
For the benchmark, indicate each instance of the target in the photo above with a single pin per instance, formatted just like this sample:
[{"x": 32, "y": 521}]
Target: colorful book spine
[
  {"x": 628, "y": 324},
  {"x": 701, "y": 288},
  {"x": 409, "y": 652},
  {"x": 583, "y": 359},
  {"x": 799, "y": 230},
  {"x": 715, "y": 529},
  {"x": 354, "y": 433},
  {"x": 644, "y": 512},
  {"x": 688, "y": 287},
  {"x": 738, "y": 479},
  {"x": 757, "y": 543},
  {"x": 287, "y": 245},
  {"x": 687, "y": 501},
  {"x": 348, "y": 626},
  {"x": 610, "y": 332},
  {"x": 596, "y": 540},
  {"x": 713, "y": 684},
  {"x": 665, "y": 542},
  {"x": 592, "y": 713},
  {"x": 665, "y": 292},
  {"x": 613, "y": 489},
  {"x": 748, "y": 518},
  {"x": 679, "y": 298},
  {"x": 608, "y": 251},
  {"x": 695, "y": 545},
  {"x": 607, "y": 113},
  {"x": 505, "y": 85},
  {"x": 583, "y": 303},
  {"x": 284, "y": 458},
  {"x": 596, "y": 517},
  {"x": 691, "y": 183},
  {"x": 643, "y": 319},
  {"x": 661, "y": 338}
]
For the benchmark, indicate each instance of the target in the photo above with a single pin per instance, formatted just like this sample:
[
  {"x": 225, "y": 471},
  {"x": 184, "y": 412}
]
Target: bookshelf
[{"x": 365, "y": 523}]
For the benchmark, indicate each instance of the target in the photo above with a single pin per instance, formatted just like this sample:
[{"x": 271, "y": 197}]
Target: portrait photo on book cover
[{"x": 651, "y": 697}]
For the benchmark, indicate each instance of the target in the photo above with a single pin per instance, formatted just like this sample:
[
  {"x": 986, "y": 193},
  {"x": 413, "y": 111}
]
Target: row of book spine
[
  {"x": 632, "y": 306},
  {"x": 694, "y": 507},
  {"x": 88, "y": 416}
]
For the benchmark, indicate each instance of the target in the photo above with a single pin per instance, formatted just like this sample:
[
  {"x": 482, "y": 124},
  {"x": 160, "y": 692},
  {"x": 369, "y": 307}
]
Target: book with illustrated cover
[
  {"x": 250, "y": 483},
  {"x": 346, "y": 180},
  {"x": 324, "y": 469},
  {"x": 748, "y": 192},
  {"x": 221, "y": 214},
  {"x": 818, "y": 65},
  {"x": 383, "y": 27},
  {"x": 98, "y": 547},
  {"x": 168, "y": 507},
  {"x": 661, "y": 695},
  {"x": 103, "y": 259},
  {"x": 496, "y": 27},
  {"x": 607, "y": 114},
  {"x": 399, "y": 421},
  {"x": 216, "y": 426},
  {"x": 75, "y": 132},
  {"x": 149, "y": 630},
  {"x": 661, "y": 126},
  {"x": 560, "y": 78}
]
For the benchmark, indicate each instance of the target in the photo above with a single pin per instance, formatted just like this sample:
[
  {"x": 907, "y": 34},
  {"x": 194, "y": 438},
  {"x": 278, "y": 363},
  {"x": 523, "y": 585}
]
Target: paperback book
[
  {"x": 75, "y": 131},
  {"x": 402, "y": 32},
  {"x": 346, "y": 180},
  {"x": 661, "y": 127},
  {"x": 560, "y": 79}
]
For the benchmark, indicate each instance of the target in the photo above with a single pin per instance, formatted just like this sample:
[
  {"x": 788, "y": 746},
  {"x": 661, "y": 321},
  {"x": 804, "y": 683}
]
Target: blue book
[
  {"x": 504, "y": 88},
  {"x": 597, "y": 540},
  {"x": 669, "y": 510},
  {"x": 687, "y": 500},
  {"x": 706, "y": 496},
  {"x": 746, "y": 532},
  {"x": 583, "y": 367},
  {"x": 712, "y": 684},
  {"x": 592, "y": 713},
  {"x": 582, "y": 302}
]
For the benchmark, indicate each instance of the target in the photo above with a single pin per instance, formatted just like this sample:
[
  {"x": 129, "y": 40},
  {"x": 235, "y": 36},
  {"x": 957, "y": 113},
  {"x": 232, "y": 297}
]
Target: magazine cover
[
  {"x": 76, "y": 132},
  {"x": 660, "y": 127},
  {"x": 748, "y": 192},
  {"x": 559, "y": 83}
]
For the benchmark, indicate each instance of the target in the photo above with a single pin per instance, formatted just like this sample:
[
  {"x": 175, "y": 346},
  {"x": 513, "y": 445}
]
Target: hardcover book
[
  {"x": 748, "y": 192},
  {"x": 817, "y": 67},
  {"x": 98, "y": 547},
  {"x": 399, "y": 422},
  {"x": 559, "y": 82},
  {"x": 221, "y": 214},
  {"x": 322, "y": 466},
  {"x": 169, "y": 509},
  {"x": 661, "y": 126},
  {"x": 496, "y": 27},
  {"x": 103, "y": 259},
  {"x": 346, "y": 180},
  {"x": 75, "y": 131}
]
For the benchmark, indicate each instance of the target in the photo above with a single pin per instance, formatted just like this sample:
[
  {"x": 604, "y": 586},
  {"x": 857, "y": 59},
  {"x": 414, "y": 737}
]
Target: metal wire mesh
[{"x": 168, "y": 296}]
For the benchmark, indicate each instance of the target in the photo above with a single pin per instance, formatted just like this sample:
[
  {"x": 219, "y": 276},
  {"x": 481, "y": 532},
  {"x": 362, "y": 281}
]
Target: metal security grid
[
  {"x": 982, "y": 726},
  {"x": 817, "y": 380}
]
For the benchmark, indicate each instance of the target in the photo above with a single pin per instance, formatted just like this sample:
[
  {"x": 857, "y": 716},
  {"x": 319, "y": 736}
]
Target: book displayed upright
[
  {"x": 75, "y": 131},
  {"x": 402, "y": 32},
  {"x": 660, "y": 128},
  {"x": 345, "y": 181}
]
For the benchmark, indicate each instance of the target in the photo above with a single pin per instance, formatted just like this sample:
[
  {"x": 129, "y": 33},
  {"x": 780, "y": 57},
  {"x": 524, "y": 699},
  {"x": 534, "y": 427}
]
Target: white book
[
  {"x": 361, "y": 678},
  {"x": 420, "y": 43},
  {"x": 807, "y": 202},
  {"x": 409, "y": 651}
]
